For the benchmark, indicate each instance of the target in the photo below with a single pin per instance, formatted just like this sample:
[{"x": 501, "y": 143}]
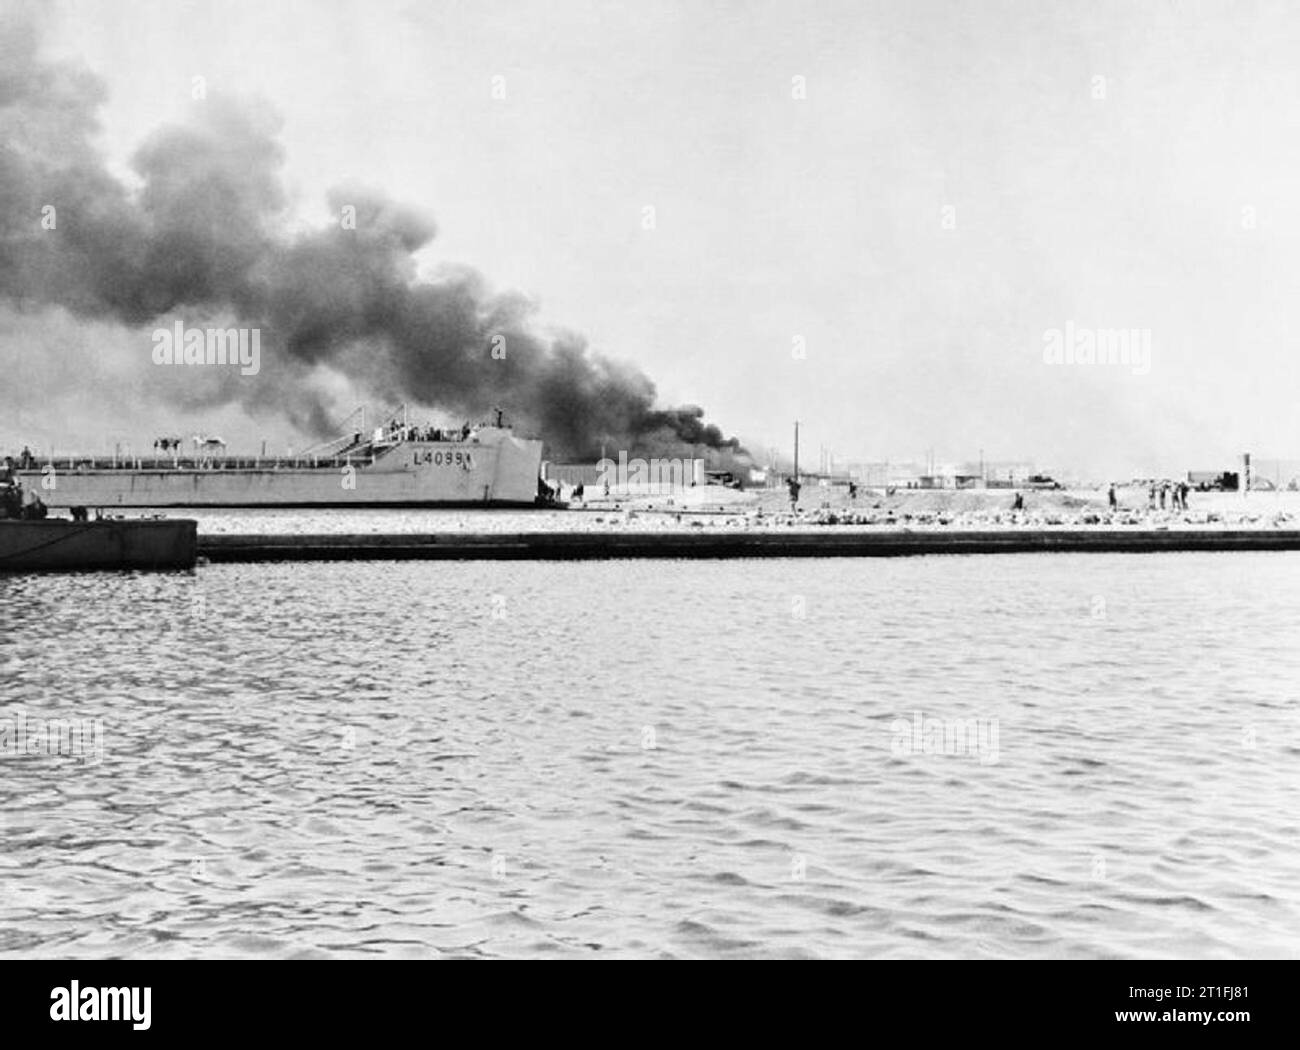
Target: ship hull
[{"x": 499, "y": 473}]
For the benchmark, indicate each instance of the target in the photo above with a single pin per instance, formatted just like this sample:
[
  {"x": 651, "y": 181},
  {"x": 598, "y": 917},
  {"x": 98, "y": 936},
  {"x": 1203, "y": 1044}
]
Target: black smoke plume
[{"x": 203, "y": 236}]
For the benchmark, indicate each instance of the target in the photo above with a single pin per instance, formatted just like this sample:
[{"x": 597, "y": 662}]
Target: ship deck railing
[
  {"x": 190, "y": 463},
  {"x": 357, "y": 456}
]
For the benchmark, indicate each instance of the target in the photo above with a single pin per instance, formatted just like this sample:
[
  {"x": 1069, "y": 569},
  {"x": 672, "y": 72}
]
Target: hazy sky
[{"x": 959, "y": 179}]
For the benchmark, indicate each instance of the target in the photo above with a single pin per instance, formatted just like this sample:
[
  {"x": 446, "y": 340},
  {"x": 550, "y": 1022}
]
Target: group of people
[
  {"x": 400, "y": 432},
  {"x": 549, "y": 495},
  {"x": 1166, "y": 495},
  {"x": 12, "y": 505}
]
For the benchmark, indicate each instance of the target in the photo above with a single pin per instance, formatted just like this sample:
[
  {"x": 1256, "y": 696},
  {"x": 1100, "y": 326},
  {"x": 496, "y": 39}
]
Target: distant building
[
  {"x": 571, "y": 473},
  {"x": 968, "y": 475},
  {"x": 629, "y": 476},
  {"x": 1219, "y": 480},
  {"x": 1008, "y": 472}
]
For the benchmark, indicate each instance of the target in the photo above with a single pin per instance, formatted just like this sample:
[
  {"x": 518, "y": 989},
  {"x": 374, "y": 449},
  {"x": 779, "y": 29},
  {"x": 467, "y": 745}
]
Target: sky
[{"x": 865, "y": 216}]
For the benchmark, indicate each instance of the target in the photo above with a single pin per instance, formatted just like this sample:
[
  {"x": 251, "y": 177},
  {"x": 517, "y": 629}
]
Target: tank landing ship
[{"x": 396, "y": 465}]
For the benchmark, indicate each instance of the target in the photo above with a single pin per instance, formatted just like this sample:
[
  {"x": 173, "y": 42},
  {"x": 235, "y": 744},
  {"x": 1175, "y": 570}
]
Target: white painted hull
[{"x": 498, "y": 470}]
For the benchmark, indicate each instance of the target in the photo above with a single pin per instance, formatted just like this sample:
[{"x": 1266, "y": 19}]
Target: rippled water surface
[{"x": 658, "y": 758}]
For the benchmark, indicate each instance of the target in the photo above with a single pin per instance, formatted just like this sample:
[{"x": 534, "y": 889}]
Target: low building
[
  {"x": 628, "y": 477},
  {"x": 1214, "y": 480}
]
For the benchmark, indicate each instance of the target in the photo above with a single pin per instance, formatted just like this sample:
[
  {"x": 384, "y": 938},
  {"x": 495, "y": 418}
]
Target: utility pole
[{"x": 796, "y": 450}]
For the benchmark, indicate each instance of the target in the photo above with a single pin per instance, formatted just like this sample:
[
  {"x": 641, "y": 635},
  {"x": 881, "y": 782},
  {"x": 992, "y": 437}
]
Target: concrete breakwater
[{"x": 831, "y": 543}]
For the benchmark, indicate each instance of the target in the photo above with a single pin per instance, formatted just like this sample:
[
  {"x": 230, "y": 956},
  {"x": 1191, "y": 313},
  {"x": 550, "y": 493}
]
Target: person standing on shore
[
  {"x": 794, "y": 487},
  {"x": 1114, "y": 502}
]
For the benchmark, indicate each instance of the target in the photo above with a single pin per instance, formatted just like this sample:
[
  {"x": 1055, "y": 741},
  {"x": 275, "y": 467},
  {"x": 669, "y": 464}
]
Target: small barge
[
  {"x": 31, "y": 541},
  {"x": 59, "y": 545}
]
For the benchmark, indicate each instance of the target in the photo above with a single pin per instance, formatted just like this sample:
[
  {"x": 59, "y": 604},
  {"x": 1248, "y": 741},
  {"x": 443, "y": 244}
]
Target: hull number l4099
[{"x": 439, "y": 458}]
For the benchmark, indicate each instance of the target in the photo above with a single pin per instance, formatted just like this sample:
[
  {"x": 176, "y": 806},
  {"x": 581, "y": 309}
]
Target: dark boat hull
[{"x": 55, "y": 545}]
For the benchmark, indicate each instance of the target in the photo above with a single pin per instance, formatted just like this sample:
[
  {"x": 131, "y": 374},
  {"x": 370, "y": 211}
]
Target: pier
[{"x": 830, "y": 543}]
